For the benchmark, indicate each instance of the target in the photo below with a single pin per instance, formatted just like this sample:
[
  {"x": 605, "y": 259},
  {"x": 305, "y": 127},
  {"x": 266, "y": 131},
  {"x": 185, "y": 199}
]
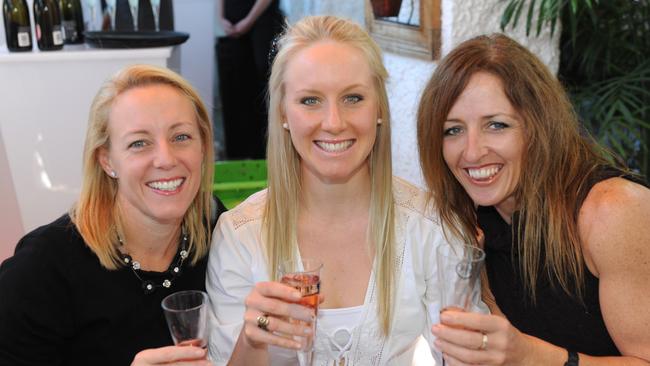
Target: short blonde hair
[
  {"x": 95, "y": 214},
  {"x": 280, "y": 216}
]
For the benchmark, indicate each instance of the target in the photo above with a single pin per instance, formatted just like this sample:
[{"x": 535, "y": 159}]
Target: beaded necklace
[{"x": 174, "y": 271}]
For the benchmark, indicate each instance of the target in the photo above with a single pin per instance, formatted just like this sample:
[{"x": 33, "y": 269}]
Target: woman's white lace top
[{"x": 237, "y": 262}]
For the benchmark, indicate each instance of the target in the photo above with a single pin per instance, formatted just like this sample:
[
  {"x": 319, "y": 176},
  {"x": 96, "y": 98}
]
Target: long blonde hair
[
  {"x": 281, "y": 211},
  {"x": 556, "y": 165},
  {"x": 95, "y": 214}
]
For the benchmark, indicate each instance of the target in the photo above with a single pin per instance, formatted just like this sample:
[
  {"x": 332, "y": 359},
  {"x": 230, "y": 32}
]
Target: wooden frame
[{"x": 421, "y": 42}]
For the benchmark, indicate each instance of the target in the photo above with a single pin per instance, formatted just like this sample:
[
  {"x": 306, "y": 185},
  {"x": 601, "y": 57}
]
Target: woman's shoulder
[
  {"x": 413, "y": 199},
  {"x": 248, "y": 211},
  {"x": 55, "y": 237},
  {"x": 45, "y": 251},
  {"x": 615, "y": 196},
  {"x": 614, "y": 219}
]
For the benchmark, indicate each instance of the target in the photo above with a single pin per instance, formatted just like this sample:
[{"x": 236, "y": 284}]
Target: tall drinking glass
[
  {"x": 155, "y": 9},
  {"x": 134, "y": 6},
  {"x": 304, "y": 275},
  {"x": 459, "y": 272},
  {"x": 111, "y": 8},
  {"x": 186, "y": 313}
]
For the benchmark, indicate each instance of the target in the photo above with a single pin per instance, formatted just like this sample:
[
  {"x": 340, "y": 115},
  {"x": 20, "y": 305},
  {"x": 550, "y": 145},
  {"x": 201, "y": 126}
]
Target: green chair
[{"x": 235, "y": 180}]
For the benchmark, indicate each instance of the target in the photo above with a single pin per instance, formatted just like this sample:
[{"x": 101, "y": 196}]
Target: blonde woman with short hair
[{"x": 86, "y": 289}]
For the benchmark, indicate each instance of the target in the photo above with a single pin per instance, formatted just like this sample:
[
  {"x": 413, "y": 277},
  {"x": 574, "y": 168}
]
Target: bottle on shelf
[
  {"x": 47, "y": 22},
  {"x": 72, "y": 21},
  {"x": 17, "y": 26}
]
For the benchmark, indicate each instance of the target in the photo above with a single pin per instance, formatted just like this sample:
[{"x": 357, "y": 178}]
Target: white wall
[
  {"x": 197, "y": 17},
  {"x": 465, "y": 19}
]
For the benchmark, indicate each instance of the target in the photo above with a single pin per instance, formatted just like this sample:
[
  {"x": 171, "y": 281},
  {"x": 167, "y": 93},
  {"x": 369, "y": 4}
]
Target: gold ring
[
  {"x": 263, "y": 322},
  {"x": 484, "y": 342}
]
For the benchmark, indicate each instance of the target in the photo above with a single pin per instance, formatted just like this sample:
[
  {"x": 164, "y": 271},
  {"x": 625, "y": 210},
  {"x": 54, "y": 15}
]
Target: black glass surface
[{"x": 130, "y": 39}]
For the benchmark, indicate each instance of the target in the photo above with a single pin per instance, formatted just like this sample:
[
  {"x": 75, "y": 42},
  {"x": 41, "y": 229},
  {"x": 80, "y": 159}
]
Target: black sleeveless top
[{"x": 555, "y": 317}]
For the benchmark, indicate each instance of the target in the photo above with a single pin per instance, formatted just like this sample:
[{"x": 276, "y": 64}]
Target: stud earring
[
  {"x": 379, "y": 121},
  {"x": 285, "y": 126},
  {"x": 113, "y": 174}
]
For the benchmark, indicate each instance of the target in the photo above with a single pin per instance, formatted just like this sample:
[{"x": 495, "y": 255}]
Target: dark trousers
[{"x": 243, "y": 70}]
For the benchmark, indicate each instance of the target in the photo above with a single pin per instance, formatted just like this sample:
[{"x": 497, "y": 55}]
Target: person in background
[
  {"x": 565, "y": 230},
  {"x": 86, "y": 289},
  {"x": 243, "y": 68},
  {"x": 331, "y": 197}
]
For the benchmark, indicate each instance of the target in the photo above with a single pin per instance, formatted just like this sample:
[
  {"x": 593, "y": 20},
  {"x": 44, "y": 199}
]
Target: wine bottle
[
  {"x": 17, "y": 27},
  {"x": 47, "y": 21},
  {"x": 72, "y": 21}
]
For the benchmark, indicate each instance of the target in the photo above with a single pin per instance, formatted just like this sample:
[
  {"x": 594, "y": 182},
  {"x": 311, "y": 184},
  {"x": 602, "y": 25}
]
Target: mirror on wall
[{"x": 407, "y": 27}]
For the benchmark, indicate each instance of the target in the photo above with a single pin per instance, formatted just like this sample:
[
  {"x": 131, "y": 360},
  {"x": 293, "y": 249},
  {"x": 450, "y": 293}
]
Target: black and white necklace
[{"x": 174, "y": 271}]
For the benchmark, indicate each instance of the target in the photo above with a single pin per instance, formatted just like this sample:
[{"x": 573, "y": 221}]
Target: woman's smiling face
[
  {"x": 483, "y": 143},
  {"x": 330, "y": 105},
  {"x": 156, "y": 152}
]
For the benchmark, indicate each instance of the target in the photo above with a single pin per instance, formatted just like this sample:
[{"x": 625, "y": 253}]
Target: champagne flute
[
  {"x": 304, "y": 276},
  {"x": 90, "y": 15},
  {"x": 186, "y": 313},
  {"x": 155, "y": 8},
  {"x": 111, "y": 8},
  {"x": 134, "y": 5},
  {"x": 459, "y": 269}
]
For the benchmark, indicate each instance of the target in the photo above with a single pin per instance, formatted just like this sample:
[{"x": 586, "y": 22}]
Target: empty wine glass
[
  {"x": 459, "y": 269},
  {"x": 186, "y": 313},
  {"x": 155, "y": 8},
  {"x": 111, "y": 8},
  {"x": 134, "y": 6},
  {"x": 92, "y": 20}
]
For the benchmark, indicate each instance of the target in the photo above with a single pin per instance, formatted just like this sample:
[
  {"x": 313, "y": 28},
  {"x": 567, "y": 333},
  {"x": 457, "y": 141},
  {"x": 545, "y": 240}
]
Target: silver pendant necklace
[{"x": 171, "y": 274}]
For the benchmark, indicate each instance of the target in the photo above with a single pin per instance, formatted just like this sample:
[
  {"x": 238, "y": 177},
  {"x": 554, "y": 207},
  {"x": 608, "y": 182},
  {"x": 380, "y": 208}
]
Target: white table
[{"x": 44, "y": 102}]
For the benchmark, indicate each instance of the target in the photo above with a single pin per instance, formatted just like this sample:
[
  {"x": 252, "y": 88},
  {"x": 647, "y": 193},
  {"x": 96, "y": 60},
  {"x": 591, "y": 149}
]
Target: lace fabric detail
[{"x": 249, "y": 210}]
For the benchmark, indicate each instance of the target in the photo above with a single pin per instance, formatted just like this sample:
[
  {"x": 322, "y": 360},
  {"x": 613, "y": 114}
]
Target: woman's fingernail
[
  {"x": 435, "y": 329},
  {"x": 296, "y": 295},
  {"x": 296, "y": 345}
]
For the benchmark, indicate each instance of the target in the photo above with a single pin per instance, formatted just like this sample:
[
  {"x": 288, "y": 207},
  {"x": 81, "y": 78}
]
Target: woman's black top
[
  {"x": 555, "y": 317},
  {"x": 236, "y": 10},
  {"x": 60, "y": 306}
]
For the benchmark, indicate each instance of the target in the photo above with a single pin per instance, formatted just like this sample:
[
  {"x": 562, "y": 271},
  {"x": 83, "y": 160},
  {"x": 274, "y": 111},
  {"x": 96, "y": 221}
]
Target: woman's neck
[
  {"x": 152, "y": 244},
  {"x": 506, "y": 209},
  {"x": 336, "y": 199}
]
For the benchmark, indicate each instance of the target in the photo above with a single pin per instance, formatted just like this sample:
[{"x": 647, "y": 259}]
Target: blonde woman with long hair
[{"x": 331, "y": 197}]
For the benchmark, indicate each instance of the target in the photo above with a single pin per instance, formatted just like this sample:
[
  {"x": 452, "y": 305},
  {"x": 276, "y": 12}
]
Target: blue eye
[
  {"x": 353, "y": 99},
  {"x": 452, "y": 131},
  {"x": 496, "y": 125},
  {"x": 137, "y": 144},
  {"x": 182, "y": 137},
  {"x": 309, "y": 100}
]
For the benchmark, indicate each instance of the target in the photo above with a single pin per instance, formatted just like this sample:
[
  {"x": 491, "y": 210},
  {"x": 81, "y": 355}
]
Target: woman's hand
[
  {"x": 461, "y": 336},
  {"x": 227, "y": 26},
  {"x": 172, "y": 355},
  {"x": 277, "y": 302}
]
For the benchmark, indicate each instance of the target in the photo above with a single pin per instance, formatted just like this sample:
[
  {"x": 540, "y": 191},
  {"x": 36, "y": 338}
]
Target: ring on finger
[
  {"x": 263, "y": 322},
  {"x": 484, "y": 342}
]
